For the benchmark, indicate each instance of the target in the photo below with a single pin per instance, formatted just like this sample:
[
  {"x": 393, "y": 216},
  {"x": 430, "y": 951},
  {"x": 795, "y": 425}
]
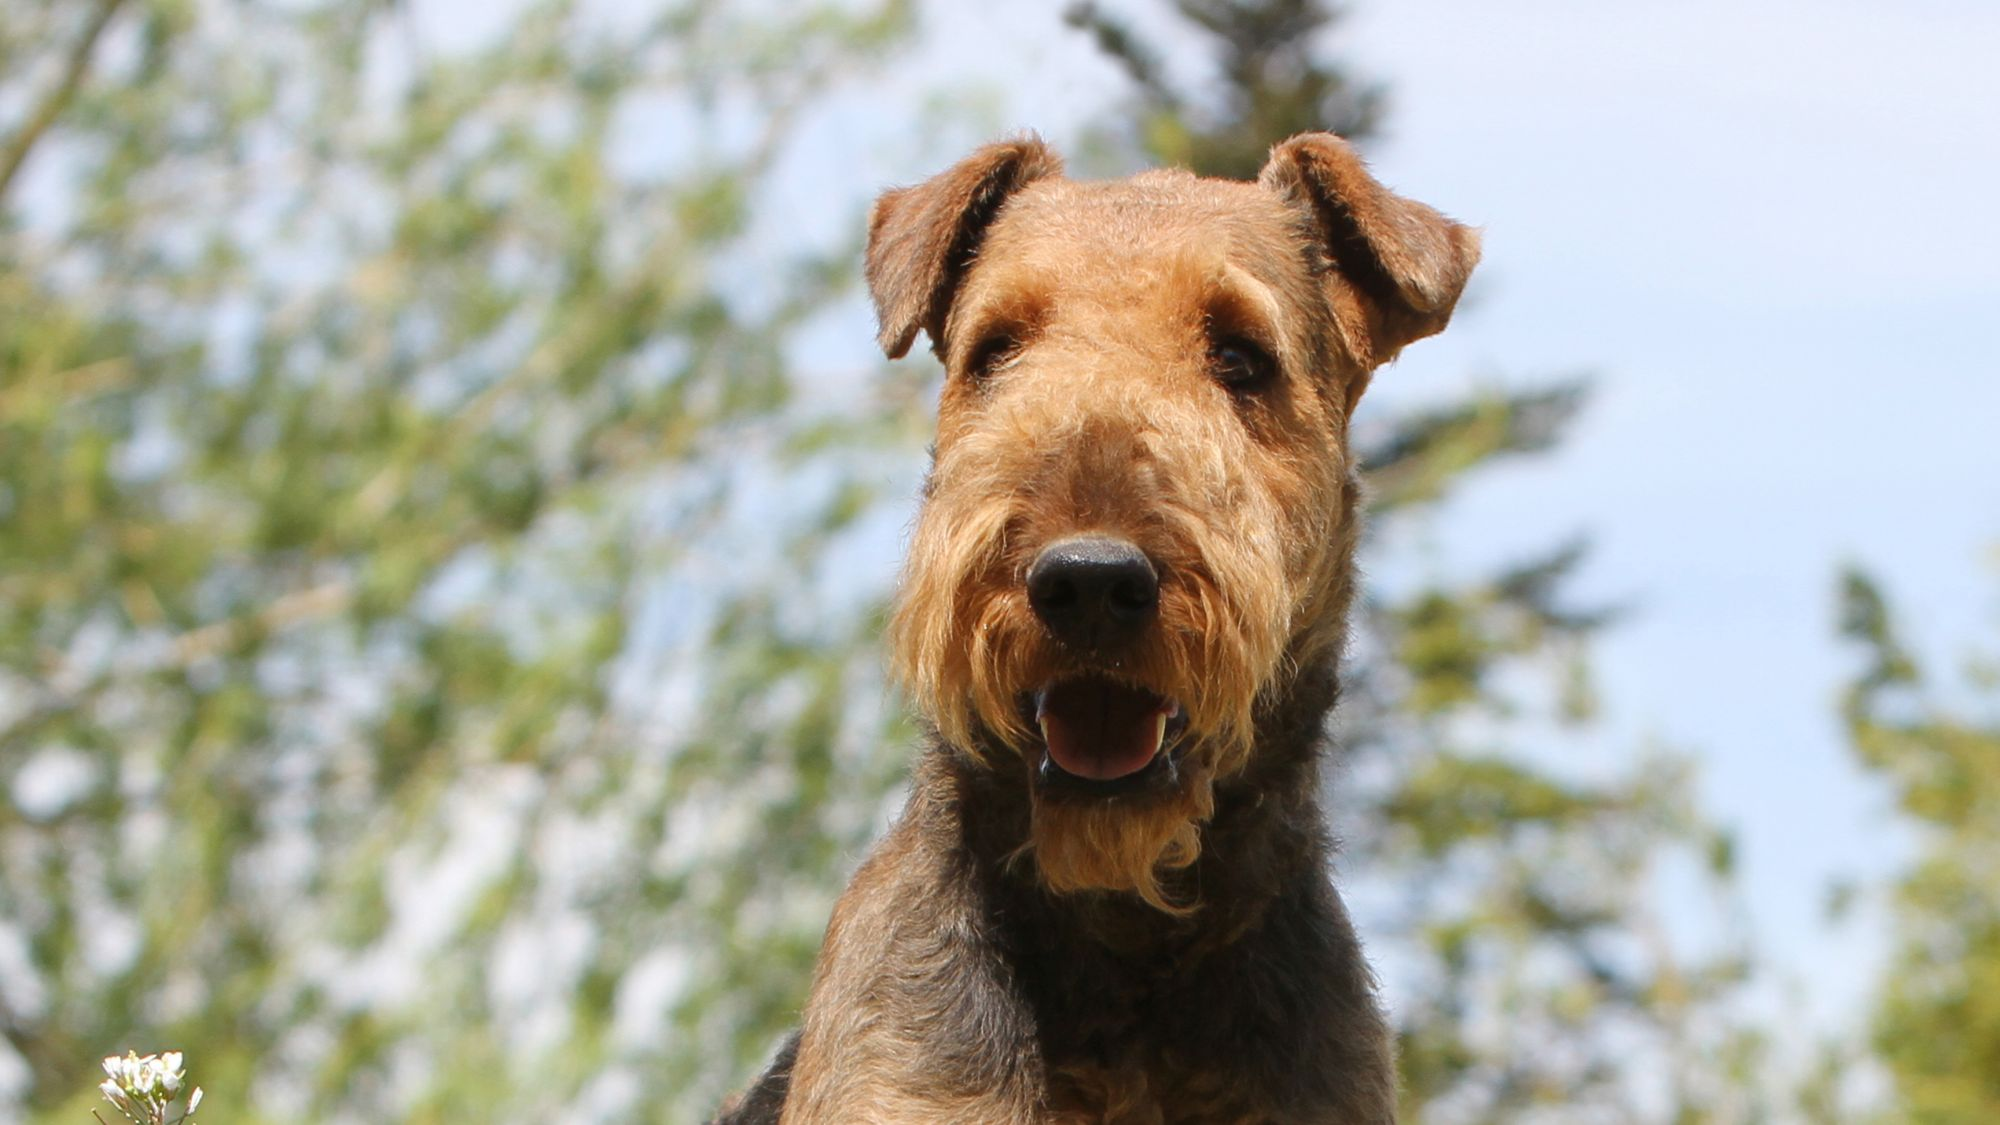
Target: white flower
[
  {"x": 115, "y": 1094},
  {"x": 143, "y": 1088}
]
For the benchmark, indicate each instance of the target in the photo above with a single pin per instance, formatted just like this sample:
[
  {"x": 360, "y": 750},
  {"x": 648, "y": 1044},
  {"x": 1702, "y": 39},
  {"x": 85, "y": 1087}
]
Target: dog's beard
[{"x": 1124, "y": 844}]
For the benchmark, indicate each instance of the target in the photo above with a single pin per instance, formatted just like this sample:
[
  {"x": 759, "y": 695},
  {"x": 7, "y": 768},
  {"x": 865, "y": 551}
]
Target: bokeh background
[{"x": 447, "y": 498}]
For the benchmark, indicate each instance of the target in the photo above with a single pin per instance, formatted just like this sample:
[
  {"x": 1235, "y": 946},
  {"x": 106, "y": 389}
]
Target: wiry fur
[{"x": 1168, "y": 955}]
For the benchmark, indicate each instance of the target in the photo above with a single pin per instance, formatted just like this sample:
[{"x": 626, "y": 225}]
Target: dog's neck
[{"x": 1267, "y": 831}]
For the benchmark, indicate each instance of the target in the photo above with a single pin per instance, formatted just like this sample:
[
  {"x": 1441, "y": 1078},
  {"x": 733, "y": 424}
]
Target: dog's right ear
[{"x": 922, "y": 238}]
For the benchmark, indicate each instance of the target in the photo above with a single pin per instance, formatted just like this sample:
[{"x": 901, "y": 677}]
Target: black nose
[{"x": 1094, "y": 592}]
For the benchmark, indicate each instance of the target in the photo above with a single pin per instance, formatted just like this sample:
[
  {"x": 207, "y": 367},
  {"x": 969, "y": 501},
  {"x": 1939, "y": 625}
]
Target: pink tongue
[{"x": 1100, "y": 730}]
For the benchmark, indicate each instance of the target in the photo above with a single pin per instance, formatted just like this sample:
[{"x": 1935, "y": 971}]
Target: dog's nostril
[
  {"x": 1093, "y": 591},
  {"x": 1135, "y": 597},
  {"x": 1054, "y": 593}
]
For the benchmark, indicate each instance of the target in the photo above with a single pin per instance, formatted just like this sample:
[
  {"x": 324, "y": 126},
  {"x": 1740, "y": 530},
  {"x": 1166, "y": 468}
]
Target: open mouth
[{"x": 1105, "y": 737}]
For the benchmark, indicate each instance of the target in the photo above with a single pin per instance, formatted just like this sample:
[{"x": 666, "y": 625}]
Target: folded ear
[
  {"x": 1407, "y": 262},
  {"x": 922, "y": 238}
]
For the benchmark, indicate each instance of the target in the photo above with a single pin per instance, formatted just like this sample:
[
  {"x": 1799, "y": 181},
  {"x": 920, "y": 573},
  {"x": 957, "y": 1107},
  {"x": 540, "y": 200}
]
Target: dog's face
[{"x": 1140, "y": 516}]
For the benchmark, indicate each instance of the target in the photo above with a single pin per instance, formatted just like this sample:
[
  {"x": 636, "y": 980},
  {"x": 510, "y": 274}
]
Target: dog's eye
[
  {"x": 1241, "y": 365},
  {"x": 991, "y": 354}
]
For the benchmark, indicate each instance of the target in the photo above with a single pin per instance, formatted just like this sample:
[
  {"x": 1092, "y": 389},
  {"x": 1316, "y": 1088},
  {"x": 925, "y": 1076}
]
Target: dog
[{"x": 1121, "y": 620}]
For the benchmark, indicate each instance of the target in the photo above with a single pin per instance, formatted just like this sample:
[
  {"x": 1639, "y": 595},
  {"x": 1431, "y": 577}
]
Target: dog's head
[{"x": 1140, "y": 517}]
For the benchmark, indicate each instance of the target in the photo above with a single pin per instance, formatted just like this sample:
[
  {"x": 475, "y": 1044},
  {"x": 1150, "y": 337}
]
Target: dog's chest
[{"x": 1130, "y": 1095}]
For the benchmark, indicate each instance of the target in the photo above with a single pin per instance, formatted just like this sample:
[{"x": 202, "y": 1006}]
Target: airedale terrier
[{"x": 1122, "y": 618}]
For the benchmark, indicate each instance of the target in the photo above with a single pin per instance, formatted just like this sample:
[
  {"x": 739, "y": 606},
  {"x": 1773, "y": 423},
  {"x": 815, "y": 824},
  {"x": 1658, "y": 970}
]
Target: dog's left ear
[
  {"x": 922, "y": 238},
  {"x": 1407, "y": 262}
]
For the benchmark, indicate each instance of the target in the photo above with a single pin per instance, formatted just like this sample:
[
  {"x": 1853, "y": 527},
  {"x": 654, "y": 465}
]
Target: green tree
[
  {"x": 1937, "y": 1013},
  {"x": 410, "y": 703},
  {"x": 1538, "y": 976}
]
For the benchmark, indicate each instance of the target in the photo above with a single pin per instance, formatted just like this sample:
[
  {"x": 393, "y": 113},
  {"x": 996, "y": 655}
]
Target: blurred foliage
[
  {"x": 1937, "y": 1015},
  {"x": 1269, "y": 83},
  {"x": 384, "y": 419}
]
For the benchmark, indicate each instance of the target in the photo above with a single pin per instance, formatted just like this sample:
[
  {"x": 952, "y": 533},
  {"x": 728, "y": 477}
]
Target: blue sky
[{"x": 1763, "y": 228}]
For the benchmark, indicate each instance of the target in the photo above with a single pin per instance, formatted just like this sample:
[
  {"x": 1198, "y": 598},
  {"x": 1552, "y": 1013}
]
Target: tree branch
[{"x": 75, "y": 69}]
